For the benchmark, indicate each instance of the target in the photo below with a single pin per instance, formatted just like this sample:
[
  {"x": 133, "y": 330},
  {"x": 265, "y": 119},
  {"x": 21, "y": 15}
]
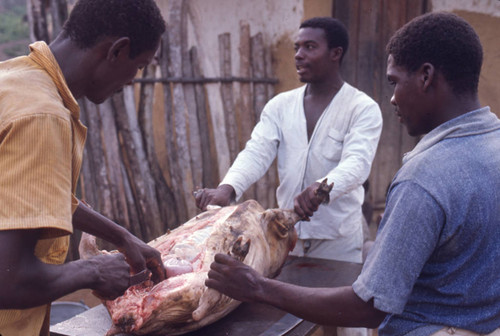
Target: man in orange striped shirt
[{"x": 100, "y": 49}]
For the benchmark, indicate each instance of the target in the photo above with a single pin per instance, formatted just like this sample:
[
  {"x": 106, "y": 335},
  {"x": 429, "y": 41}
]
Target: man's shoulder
[
  {"x": 26, "y": 89},
  {"x": 289, "y": 94},
  {"x": 357, "y": 96}
]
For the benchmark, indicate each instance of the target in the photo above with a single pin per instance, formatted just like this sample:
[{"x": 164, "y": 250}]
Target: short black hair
[
  {"x": 335, "y": 31},
  {"x": 139, "y": 20},
  {"x": 446, "y": 41}
]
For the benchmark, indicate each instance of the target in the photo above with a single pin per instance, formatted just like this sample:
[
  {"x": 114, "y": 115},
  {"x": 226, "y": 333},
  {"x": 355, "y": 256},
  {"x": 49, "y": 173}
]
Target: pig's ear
[
  {"x": 240, "y": 249},
  {"x": 277, "y": 222}
]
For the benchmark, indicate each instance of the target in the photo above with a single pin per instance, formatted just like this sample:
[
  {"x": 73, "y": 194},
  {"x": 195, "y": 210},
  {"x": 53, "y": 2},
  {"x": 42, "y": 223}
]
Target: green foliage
[
  {"x": 13, "y": 25},
  {"x": 16, "y": 50}
]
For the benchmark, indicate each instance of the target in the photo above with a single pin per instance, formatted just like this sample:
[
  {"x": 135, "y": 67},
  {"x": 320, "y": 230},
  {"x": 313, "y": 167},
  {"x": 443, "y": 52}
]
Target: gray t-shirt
[{"x": 435, "y": 259}]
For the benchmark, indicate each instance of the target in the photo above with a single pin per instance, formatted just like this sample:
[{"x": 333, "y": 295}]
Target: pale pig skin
[{"x": 182, "y": 303}]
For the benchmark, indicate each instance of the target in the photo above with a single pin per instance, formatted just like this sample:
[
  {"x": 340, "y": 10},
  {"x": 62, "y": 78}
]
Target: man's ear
[
  {"x": 427, "y": 74},
  {"x": 336, "y": 53},
  {"x": 119, "y": 48}
]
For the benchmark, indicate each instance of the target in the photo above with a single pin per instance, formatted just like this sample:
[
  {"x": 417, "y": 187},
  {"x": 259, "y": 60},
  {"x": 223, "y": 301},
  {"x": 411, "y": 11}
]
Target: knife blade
[
  {"x": 282, "y": 326},
  {"x": 139, "y": 277}
]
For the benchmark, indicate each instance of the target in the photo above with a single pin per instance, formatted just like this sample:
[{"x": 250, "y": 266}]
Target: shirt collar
[{"x": 42, "y": 55}]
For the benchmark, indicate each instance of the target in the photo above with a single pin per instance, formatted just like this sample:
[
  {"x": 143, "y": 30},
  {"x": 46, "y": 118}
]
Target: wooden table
[{"x": 249, "y": 318}]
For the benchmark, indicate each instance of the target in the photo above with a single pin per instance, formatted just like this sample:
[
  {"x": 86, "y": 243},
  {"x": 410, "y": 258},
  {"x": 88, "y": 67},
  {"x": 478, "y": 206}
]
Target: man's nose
[
  {"x": 298, "y": 53},
  {"x": 393, "y": 100}
]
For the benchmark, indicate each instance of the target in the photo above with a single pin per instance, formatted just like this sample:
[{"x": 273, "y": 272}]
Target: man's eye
[{"x": 392, "y": 83}]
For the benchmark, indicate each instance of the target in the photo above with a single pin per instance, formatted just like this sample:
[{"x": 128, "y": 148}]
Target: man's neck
[
  {"x": 457, "y": 105},
  {"x": 325, "y": 89},
  {"x": 72, "y": 61}
]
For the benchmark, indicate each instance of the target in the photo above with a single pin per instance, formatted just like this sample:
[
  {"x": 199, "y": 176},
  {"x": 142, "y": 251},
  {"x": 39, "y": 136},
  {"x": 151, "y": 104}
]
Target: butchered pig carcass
[{"x": 182, "y": 303}]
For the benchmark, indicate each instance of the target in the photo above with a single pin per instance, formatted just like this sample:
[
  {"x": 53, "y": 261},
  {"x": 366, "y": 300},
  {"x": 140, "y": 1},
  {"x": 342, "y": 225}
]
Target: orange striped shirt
[{"x": 41, "y": 148}]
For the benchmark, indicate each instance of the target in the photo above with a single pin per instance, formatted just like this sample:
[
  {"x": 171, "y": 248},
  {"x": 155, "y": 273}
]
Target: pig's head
[{"x": 280, "y": 235}]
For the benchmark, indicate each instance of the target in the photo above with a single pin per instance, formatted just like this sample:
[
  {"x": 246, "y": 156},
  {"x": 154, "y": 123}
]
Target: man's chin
[{"x": 97, "y": 100}]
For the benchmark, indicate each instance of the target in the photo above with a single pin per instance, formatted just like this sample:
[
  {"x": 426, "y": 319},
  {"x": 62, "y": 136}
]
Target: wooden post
[
  {"x": 190, "y": 101},
  {"x": 179, "y": 108},
  {"x": 209, "y": 156},
  {"x": 59, "y": 14},
  {"x": 113, "y": 159},
  {"x": 272, "y": 173},
  {"x": 97, "y": 161},
  {"x": 246, "y": 113},
  {"x": 227, "y": 95},
  {"x": 37, "y": 19},
  {"x": 166, "y": 201},
  {"x": 137, "y": 166},
  {"x": 262, "y": 187}
]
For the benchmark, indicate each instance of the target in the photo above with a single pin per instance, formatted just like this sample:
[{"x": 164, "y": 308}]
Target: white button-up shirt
[{"x": 341, "y": 149}]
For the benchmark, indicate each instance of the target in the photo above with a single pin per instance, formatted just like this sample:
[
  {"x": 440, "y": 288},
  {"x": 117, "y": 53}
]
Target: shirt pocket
[{"x": 334, "y": 143}]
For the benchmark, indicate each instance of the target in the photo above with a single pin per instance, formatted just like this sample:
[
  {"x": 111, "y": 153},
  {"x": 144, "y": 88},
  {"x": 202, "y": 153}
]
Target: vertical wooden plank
[
  {"x": 368, "y": 60},
  {"x": 133, "y": 212},
  {"x": 137, "y": 166},
  {"x": 59, "y": 13},
  {"x": 272, "y": 173},
  {"x": 37, "y": 18},
  {"x": 170, "y": 139},
  {"x": 209, "y": 156},
  {"x": 258, "y": 71},
  {"x": 415, "y": 8},
  {"x": 348, "y": 13},
  {"x": 262, "y": 188},
  {"x": 179, "y": 108},
  {"x": 113, "y": 164},
  {"x": 388, "y": 158},
  {"x": 165, "y": 197},
  {"x": 227, "y": 95},
  {"x": 190, "y": 101},
  {"x": 96, "y": 161},
  {"x": 246, "y": 113}
]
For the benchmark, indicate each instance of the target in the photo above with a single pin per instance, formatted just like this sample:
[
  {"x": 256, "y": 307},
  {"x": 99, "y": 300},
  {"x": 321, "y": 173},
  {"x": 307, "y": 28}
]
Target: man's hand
[
  {"x": 223, "y": 196},
  {"x": 113, "y": 275},
  {"x": 307, "y": 202},
  {"x": 140, "y": 255},
  {"x": 233, "y": 278}
]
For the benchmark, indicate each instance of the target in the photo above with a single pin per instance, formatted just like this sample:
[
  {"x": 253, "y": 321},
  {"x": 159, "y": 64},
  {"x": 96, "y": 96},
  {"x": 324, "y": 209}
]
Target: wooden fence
[{"x": 151, "y": 145}]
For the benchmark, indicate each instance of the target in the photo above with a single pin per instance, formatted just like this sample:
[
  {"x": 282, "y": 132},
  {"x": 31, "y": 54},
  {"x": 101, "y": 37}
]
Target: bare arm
[
  {"x": 139, "y": 255},
  {"x": 26, "y": 282},
  {"x": 328, "y": 306}
]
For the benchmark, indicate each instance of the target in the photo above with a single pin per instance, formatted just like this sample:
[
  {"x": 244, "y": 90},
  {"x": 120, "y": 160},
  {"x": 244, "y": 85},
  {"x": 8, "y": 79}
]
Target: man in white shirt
[{"x": 324, "y": 129}]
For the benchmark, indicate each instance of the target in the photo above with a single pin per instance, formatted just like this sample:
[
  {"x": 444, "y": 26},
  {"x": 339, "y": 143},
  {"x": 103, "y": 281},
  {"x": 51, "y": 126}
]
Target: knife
[
  {"x": 139, "y": 277},
  {"x": 282, "y": 326}
]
